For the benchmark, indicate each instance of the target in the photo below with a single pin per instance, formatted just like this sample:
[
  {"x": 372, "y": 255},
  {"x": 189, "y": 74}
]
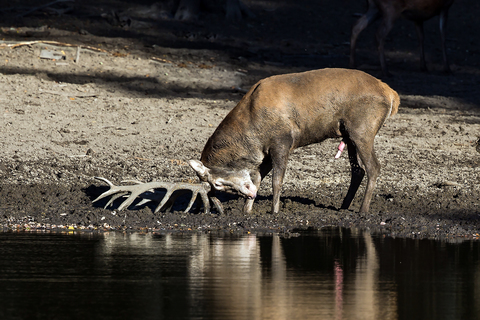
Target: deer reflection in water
[{"x": 254, "y": 277}]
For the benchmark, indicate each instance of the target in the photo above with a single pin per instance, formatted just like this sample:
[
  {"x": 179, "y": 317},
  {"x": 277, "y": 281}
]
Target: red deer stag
[{"x": 276, "y": 116}]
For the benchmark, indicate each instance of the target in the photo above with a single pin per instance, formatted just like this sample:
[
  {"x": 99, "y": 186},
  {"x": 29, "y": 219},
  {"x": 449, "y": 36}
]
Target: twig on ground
[
  {"x": 161, "y": 60},
  {"x": 69, "y": 94},
  {"x": 77, "y": 58},
  {"x": 61, "y": 44}
]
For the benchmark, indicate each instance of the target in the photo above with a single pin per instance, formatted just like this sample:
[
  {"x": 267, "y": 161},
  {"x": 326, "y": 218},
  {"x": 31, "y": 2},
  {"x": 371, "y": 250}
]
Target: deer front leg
[
  {"x": 277, "y": 182},
  {"x": 257, "y": 178},
  {"x": 247, "y": 207},
  {"x": 279, "y": 164}
]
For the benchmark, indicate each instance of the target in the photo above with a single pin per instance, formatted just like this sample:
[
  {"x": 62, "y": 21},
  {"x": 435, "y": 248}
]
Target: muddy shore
[{"x": 139, "y": 100}]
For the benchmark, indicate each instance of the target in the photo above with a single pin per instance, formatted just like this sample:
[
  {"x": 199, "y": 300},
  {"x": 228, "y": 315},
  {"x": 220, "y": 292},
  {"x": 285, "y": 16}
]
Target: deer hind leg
[
  {"x": 372, "y": 167},
  {"x": 362, "y": 159},
  {"x": 357, "y": 173},
  {"x": 373, "y": 171}
]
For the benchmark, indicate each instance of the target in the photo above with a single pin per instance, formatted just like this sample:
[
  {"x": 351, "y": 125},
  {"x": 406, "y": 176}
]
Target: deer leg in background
[
  {"x": 187, "y": 10},
  {"x": 443, "y": 30},
  {"x": 371, "y": 15},
  {"x": 421, "y": 43},
  {"x": 382, "y": 33}
]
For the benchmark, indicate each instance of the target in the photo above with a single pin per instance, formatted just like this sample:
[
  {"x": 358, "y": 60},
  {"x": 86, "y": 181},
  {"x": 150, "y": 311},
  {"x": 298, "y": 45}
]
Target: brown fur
[
  {"x": 417, "y": 11},
  {"x": 284, "y": 112}
]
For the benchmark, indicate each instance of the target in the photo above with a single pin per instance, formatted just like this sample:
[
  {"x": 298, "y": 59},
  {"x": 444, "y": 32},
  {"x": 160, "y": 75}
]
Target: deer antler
[{"x": 139, "y": 189}]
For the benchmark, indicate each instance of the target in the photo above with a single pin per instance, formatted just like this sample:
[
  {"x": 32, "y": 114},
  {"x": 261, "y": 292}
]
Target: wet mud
[{"x": 143, "y": 97}]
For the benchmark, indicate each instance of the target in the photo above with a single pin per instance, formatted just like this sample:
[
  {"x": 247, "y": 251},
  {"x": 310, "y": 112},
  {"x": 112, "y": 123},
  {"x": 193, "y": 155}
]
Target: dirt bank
[{"x": 143, "y": 97}]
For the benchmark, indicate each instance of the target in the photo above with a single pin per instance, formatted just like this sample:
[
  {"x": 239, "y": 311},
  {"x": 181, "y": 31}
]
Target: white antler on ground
[{"x": 137, "y": 189}]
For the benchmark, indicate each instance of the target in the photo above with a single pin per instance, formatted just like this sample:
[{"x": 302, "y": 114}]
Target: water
[{"x": 330, "y": 274}]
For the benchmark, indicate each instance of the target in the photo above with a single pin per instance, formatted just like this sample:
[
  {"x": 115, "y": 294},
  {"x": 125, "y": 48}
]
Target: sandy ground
[{"x": 145, "y": 95}]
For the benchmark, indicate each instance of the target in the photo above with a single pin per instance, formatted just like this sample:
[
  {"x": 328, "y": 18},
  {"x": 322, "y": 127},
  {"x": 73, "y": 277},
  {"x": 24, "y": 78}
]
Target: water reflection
[{"x": 330, "y": 274}]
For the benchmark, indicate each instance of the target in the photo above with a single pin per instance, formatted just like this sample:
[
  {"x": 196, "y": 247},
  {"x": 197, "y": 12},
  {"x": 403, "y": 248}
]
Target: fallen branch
[{"x": 61, "y": 44}]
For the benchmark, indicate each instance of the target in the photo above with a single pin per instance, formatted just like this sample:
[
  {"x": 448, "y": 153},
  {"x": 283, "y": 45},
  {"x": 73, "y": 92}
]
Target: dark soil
[{"x": 148, "y": 91}]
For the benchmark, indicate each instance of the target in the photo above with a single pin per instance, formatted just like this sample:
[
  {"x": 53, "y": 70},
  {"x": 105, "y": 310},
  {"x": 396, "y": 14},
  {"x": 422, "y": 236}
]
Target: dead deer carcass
[
  {"x": 285, "y": 112},
  {"x": 417, "y": 11}
]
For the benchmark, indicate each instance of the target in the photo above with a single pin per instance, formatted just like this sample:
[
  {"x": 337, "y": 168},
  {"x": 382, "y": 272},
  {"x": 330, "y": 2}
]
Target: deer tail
[{"x": 394, "y": 102}]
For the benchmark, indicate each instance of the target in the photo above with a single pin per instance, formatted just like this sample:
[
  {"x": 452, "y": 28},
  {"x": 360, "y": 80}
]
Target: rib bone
[{"x": 137, "y": 189}]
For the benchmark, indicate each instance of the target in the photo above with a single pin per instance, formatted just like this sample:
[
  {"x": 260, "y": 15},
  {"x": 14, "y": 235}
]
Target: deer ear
[{"x": 199, "y": 168}]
